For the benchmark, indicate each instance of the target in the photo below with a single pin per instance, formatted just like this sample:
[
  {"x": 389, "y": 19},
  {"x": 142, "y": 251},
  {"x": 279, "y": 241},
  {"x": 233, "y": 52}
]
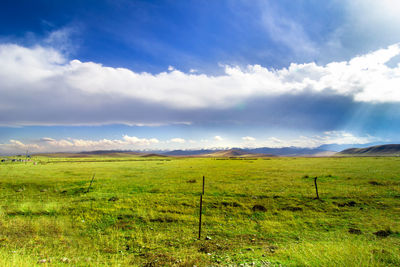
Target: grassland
[{"x": 144, "y": 211}]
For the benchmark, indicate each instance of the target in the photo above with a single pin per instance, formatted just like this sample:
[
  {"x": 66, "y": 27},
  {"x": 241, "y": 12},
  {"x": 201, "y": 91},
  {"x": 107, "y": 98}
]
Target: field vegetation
[{"x": 144, "y": 211}]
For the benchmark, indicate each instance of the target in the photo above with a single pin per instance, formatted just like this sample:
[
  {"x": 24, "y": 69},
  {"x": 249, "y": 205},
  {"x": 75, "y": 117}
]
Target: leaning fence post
[
  {"x": 90, "y": 185},
  {"x": 201, "y": 208},
  {"x": 316, "y": 187}
]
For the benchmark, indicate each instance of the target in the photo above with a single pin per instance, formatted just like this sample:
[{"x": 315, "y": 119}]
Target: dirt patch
[
  {"x": 191, "y": 181},
  {"x": 355, "y": 231},
  {"x": 125, "y": 216},
  {"x": 113, "y": 199},
  {"x": 347, "y": 204},
  {"x": 231, "y": 204},
  {"x": 383, "y": 233},
  {"x": 172, "y": 211},
  {"x": 290, "y": 208},
  {"x": 374, "y": 183},
  {"x": 259, "y": 208},
  {"x": 166, "y": 219},
  {"x": 210, "y": 247}
]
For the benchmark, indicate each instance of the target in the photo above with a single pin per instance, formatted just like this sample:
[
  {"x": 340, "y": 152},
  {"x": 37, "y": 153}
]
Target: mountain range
[{"x": 375, "y": 150}]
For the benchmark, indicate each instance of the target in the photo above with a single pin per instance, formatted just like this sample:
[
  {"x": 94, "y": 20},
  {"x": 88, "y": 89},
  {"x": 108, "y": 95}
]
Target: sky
[{"x": 182, "y": 74}]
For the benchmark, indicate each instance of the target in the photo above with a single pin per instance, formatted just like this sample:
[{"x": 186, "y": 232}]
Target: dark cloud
[{"x": 307, "y": 111}]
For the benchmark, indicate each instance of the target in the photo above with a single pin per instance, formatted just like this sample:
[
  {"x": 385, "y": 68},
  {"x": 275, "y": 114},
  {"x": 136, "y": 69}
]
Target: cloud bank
[
  {"x": 48, "y": 144},
  {"x": 40, "y": 86}
]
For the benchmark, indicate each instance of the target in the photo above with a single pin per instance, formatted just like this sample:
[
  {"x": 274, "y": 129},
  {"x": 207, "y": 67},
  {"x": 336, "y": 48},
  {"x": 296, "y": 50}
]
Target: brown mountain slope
[{"x": 384, "y": 150}]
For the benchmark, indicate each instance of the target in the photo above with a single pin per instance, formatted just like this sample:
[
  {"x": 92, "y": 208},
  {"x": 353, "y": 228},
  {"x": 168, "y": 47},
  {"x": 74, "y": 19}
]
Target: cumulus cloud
[
  {"x": 218, "y": 138},
  {"x": 17, "y": 146},
  {"x": 248, "y": 139},
  {"x": 178, "y": 140},
  {"x": 39, "y": 84},
  {"x": 133, "y": 140}
]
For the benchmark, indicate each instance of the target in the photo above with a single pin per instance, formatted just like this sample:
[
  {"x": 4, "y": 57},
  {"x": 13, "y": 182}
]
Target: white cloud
[
  {"x": 48, "y": 144},
  {"x": 15, "y": 145},
  {"x": 132, "y": 140},
  {"x": 218, "y": 138},
  {"x": 57, "y": 143},
  {"x": 43, "y": 74},
  {"x": 248, "y": 139},
  {"x": 178, "y": 140},
  {"x": 61, "y": 40},
  {"x": 330, "y": 137}
]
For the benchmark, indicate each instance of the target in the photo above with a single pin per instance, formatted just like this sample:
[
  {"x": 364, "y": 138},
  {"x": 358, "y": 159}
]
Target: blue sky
[{"x": 87, "y": 75}]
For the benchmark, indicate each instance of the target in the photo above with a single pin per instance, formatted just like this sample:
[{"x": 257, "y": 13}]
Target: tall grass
[{"x": 145, "y": 212}]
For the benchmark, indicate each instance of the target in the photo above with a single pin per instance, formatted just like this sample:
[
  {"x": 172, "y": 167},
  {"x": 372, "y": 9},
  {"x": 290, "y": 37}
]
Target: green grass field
[{"x": 144, "y": 211}]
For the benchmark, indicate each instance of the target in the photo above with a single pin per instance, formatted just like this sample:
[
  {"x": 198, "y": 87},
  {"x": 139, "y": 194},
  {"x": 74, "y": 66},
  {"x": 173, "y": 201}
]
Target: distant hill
[
  {"x": 340, "y": 147},
  {"x": 384, "y": 150},
  {"x": 152, "y": 155},
  {"x": 235, "y": 153},
  {"x": 188, "y": 152},
  {"x": 250, "y": 152},
  {"x": 286, "y": 151},
  {"x": 111, "y": 152}
]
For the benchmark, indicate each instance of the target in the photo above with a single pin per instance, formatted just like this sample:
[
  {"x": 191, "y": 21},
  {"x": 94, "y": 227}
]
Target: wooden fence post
[
  {"x": 316, "y": 187},
  {"x": 203, "y": 184}
]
